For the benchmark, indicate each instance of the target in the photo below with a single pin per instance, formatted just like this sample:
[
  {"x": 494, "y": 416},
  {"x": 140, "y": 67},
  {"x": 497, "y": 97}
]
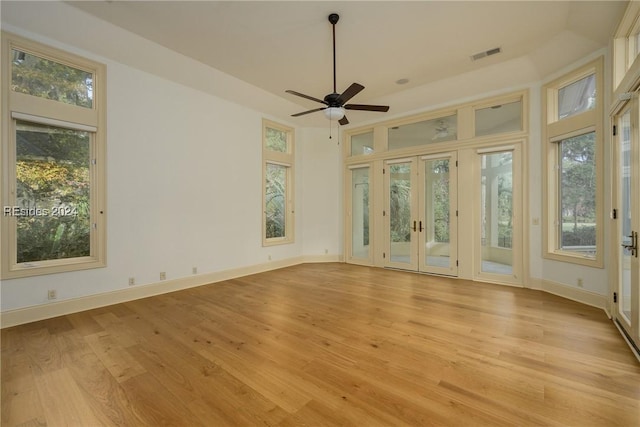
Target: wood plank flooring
[{"x": 324, "y": 345}]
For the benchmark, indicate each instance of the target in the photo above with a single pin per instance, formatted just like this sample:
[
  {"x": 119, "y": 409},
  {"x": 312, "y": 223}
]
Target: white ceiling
[{"x": 287, "y": 45}]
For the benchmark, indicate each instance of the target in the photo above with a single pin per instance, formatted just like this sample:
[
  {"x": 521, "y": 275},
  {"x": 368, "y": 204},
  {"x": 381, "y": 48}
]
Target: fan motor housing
[{"x": 333, "y": 100}]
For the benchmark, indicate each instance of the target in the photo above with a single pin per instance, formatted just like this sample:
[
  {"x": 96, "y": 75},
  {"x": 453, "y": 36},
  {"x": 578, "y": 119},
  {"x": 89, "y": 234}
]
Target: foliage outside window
[
  {"x": 573, "y": 161},
  {"x": 497, "y": 183},
  {"x": 278, "y": 163},
  {"x": 577, "y": 194},
  {"x": 360, "y": 207},
  {"x": 53, "y": 160},
  {"x": 52, "y": 182},
  {"x": 440, "y": 200}
]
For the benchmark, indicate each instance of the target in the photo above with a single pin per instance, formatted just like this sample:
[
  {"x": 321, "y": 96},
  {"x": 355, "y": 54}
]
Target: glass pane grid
[
  {"x": 422, "y": 133},
  {"x": 276, "y": 140},
  {"x": 275, "y": 201},
  {"x": 577, "y": 97},
  {"x": 33, "y": 75},
  {"x": 400, "y": 212},
  {"x": 360, "y": 213},
  {"x": 497, "y": 213},
  {"x": 437, "y": 215},
  {"x": 52, "y": 193},
  {"x": 577, "y": 195},
  {"x": 499, "y": 119},
  {"x": 362, "y": 144}
]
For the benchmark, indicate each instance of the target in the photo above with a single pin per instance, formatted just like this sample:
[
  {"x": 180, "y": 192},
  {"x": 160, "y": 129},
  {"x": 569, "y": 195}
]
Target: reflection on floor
[{"x": 443, "y": 261}]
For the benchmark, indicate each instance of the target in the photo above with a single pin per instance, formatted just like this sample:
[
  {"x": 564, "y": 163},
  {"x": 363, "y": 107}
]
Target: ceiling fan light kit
[
  {"x": 334, "y": 113},
  {"x": 336, "y": 103}
]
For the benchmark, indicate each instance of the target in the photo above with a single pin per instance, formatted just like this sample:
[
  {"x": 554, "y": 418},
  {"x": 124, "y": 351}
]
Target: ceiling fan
[{"x": 335, "y": 103}]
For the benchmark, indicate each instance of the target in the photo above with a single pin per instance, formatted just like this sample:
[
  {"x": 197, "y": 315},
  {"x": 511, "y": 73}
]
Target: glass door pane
[
  {"x": 627, "y": 204},
  {"x": 402, "y": 218},
  {"x": 438, "y": 251},
  {"x": 496, "y": 208},
  {"x": 624, "y": 183},
  {"x": 360, "y": 213}
]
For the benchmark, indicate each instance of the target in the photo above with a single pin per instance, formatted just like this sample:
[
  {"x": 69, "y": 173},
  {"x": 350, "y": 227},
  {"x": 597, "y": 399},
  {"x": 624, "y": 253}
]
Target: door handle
[
  {"x": 633, "y": 247},
  {"x": 420, "y": 228},
  {"x": 414, "y": 226}
]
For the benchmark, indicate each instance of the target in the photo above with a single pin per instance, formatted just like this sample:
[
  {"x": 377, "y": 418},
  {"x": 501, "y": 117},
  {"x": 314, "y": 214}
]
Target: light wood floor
[{"x": 324, "y": 345}]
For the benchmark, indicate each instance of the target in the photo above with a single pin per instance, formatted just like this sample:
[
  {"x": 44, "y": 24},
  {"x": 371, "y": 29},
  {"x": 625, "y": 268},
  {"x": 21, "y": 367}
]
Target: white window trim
[
  {"x": 554, "y": 130},
  {"x": 18, "y": 106},
  {"x": 282, "y": 159}
]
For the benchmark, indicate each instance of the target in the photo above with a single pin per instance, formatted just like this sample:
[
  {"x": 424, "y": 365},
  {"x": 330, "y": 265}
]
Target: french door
[
  {"x": 420, "y": 216},
  {"x": 627, "y": 214}
]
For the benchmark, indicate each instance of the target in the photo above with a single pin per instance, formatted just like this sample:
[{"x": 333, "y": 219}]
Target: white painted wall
[
  {"x": 184, "y": 164},
  {"x": 321, "y": 192},
  {"x": 184, "y": 184}
]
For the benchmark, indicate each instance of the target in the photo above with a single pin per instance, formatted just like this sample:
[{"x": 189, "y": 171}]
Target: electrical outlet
[
  {"x": 163, "y": 275},
  {"x": 194, "y": 270},
  {"x": 580, "y": 285},
  {"x": 132, "y": 281},
  {"x": 52, "y": 294}
]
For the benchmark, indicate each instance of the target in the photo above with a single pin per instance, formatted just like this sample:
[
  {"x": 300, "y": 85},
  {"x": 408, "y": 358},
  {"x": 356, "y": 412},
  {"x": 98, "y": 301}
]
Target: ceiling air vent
[{"x": 486, "y": 53}]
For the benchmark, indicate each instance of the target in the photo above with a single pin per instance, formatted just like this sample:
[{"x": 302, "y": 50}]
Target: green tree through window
[
  {"x": 578, "y": 192},
  {"x": 52, "y": 190}
]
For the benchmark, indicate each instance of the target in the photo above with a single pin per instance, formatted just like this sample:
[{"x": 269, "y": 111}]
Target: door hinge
[
  {"x": 614, "y": 214},
  {"x": 384, "y": 255},
  {"x": 615, "y": 297},
  {"x": 94, "y": 162},
  {"x": 615, "y": 130},
  {"x": 456, "y": 213},
  {"x": 383, "y": 171},
  {"x": 456, "y": 163},
  {"x": 457, "y": 265},
  {"x": 384, "y": 213}
]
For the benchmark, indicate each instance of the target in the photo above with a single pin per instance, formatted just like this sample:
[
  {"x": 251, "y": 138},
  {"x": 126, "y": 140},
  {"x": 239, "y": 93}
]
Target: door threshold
[{"x": 632, "y": 345}]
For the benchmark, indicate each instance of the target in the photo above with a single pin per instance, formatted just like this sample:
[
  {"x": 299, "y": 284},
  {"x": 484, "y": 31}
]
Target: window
[
  {"x": 498, "y": 118},
  {"x": 278, "y": 204},
  {"x": 424, "y": 132},
  {"x": 573, "y": 161},
  {"x": 53, "y": 149},
  {"x": 626, "y": 49},
  {"x": 362, "y": 144}
]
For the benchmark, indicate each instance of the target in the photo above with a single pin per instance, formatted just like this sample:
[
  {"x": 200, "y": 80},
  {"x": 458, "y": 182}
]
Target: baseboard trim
[
  {"x": 60, "y": 308},
  {"x": 574, "y": 294}
]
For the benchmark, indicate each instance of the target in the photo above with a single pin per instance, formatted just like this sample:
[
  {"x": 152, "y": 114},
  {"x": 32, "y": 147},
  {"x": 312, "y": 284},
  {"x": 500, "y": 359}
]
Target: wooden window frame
[
  {"x": 18, "y": 106},
  {"x": 555, "y": 130},
  {"x": 286, "y": 159}
]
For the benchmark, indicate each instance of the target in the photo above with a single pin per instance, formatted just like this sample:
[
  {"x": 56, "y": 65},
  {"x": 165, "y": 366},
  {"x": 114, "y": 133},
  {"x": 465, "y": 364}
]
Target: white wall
[
  {"x": 184, "y": 165},
  {"x": 321, "y": 192},
  {"x": 184, "y": 185}
]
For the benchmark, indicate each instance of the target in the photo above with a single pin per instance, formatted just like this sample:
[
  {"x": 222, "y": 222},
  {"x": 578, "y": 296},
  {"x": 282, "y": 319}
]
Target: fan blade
[
  {"x": 302, "y": 95},
  {"x": 307, "y": 112},
  {"x": 343, "y": 121},
  {"x": 351, "y": 91},
  {"x": 381, "y": 108}
]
